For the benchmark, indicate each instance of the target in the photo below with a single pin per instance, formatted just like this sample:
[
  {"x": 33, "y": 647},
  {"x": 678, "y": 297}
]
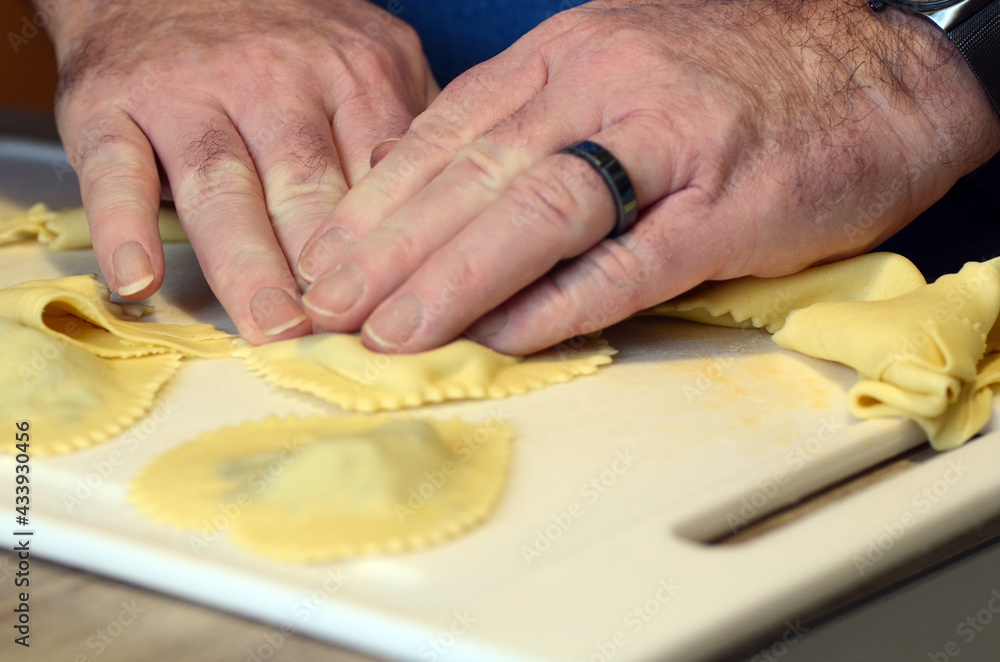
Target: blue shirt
[{"x": 458, "y": 34}]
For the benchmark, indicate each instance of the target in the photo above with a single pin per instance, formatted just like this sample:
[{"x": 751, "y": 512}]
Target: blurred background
[
  {"x": 27, "y": 68},
  {"x": 27, "y": 71}
]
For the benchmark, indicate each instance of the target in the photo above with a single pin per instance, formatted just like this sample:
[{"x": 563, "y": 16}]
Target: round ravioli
[
  {"x": 340, "y": 369},
  {"x": 320, "y": 489},
  {"x": 72, "y": 398}
]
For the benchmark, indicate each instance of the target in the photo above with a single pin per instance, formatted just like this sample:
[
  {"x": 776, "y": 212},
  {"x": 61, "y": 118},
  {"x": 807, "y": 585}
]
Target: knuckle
[
  {"x": 246, "y": 258},
  {"x": 487, "y": 169},
  {"x": 233, "y": 259},
  {"x": 95, "y": 144},
  {"x": 548, "y": 201},
  {"x": 623, "y": 282},
  {"x": 562, "y": 21},
  {"x": 405, "y": 34},
  {"x": 227, "y": 180},
  {"x": 405, "y": 248},
  {"x": 214, "y": 173},
  {"x": 373, "y": 62},
  {"x": 290, "y": 200},
  {"x": 636, "y": 40},
  {"x": 213, "y": 149},
  {"x": 307, "y": 175},
  {"x": 106, "y": 156},
  {"x": 438, "y": 130}
]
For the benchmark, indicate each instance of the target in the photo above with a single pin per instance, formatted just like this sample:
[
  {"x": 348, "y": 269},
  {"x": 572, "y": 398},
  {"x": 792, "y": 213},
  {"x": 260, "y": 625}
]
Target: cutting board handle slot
[{"x": 772, "y": 497}]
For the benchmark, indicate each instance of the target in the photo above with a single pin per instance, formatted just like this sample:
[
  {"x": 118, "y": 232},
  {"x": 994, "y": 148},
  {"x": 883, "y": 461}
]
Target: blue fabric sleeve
[{"x": 458, "y": 34}]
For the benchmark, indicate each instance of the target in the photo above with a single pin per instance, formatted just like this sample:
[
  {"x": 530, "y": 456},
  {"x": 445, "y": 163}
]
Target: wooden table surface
[{"x": 80, "y": 617}]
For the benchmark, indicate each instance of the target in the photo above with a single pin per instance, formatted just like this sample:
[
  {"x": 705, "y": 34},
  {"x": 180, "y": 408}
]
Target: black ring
[{"x": 617, "y": 180}]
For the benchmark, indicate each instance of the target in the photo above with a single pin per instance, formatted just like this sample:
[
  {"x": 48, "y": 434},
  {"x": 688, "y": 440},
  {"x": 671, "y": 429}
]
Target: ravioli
[
  {"x": 320, "y": 489},
  {"x": 79, "y": 310},
  {"x": 72, "y": 398},
  {"x": 68, "y": 230},
  {"x": 340, "y": 369}
]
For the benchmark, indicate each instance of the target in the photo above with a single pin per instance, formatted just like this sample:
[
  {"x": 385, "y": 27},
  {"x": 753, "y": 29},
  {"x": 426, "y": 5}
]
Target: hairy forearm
[
  {"x": 929, "y": 70},
  {"x": 857, "y": 91},
  {"x": 907, "y": 67}
]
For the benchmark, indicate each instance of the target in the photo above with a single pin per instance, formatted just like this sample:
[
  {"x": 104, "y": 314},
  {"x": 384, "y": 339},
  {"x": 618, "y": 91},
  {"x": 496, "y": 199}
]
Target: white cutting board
[{"x": 593, "y": 553}]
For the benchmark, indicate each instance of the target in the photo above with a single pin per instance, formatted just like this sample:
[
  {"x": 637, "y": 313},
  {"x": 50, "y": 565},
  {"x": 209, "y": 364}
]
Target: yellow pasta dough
[
  {"x": 766, "y": 302},
  {"x": 68, "y": 230},
  {"x": 917, "y": 354},
  {"x": 24, "y": 224},
  {"x": 921, "y": 350},
  {"x": 72, "y": 398},
  {"x": 319, "y": 489},
  {"x": 340, "y": 369},
  {"x": 79, "y": 309}
]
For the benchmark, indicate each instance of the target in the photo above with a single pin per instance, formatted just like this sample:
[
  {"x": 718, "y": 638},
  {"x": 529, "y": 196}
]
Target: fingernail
[
  {"x": 392, "y": 327},
  {"x": 324, "y": 251},
  {"x": 275, "y": 311},
  {"x": 336, "y": 293},
  {"x": 488, "y": 325},
  {"x": 133, "y": 271},
  {"x": 381, "y": 150}
]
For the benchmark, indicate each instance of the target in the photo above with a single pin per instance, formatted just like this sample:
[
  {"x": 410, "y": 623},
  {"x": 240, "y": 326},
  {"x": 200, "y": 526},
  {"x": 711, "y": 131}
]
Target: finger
[
  {"x": 360, "y": 124},
  {"x": 463, "y": 112},
  {"x": 556, "y": 210},
  {"x": 300, "y": 171},
  {"x": 120, "y": 188},
  {"x": 364, "y": 120},
  {"x": 677, "y": 246},
  {"x": 384, "y": 258},
  {"x": 221, "y": 205}
]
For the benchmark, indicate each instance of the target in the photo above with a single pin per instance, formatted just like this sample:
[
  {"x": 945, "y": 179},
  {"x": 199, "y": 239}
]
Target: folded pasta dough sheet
[
  {"x": 766, "y": 302},
  {"x": 918, "y": 354},
  {"x": 922, "y": 351},
  {"x": 79, "y": 309}
]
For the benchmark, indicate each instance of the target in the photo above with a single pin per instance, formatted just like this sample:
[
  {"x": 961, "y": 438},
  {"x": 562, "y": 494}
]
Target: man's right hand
[{"x": 258, "y": 116}]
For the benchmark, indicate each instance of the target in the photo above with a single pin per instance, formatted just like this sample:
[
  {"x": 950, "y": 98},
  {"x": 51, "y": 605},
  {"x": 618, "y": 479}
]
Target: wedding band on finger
[{"x": 614, "y": 175}]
